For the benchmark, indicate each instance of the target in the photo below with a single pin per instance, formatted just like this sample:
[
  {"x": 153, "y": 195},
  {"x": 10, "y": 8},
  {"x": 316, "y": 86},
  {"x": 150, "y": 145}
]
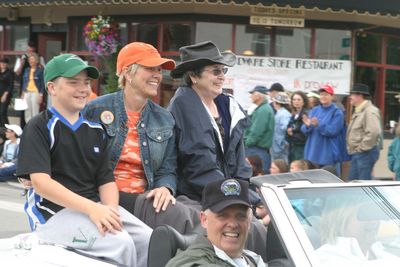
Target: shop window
[
  {"x": 368, "y": 47},
  {"x": 80, "y": 44},
  {"x": 252, "y": 40},
  {"x": 18, "y": 37},
  {"x": 393, "y": 51},
  {"x": 332, "y": 44},
  {"x": 145, "y": 32},
  {"x": 293, "y": 43},
  {"x": 176, "y": 36},
  {"x": 392, "y": 88},
  {"x": 219, "y": 33}
]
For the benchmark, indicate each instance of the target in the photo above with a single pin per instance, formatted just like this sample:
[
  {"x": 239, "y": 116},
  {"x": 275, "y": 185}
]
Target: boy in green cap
[{"x": 74, "y": 198}]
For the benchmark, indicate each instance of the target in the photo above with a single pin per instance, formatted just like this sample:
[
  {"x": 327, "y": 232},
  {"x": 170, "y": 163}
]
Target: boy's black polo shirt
[{"x": 74, "y": 155}]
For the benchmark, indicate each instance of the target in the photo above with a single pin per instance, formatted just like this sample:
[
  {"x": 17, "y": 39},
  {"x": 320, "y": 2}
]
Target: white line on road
[{"x": 11, "y": 206}]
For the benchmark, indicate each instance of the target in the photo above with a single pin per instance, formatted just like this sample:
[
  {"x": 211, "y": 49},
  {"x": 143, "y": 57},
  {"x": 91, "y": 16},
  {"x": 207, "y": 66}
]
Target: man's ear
[
  {"x": 50, "y": 88},
  {"x": 203, "y": 219}
]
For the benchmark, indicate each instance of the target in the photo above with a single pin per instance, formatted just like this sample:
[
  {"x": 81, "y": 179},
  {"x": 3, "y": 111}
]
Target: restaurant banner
[{"x": 293, "y": 73}]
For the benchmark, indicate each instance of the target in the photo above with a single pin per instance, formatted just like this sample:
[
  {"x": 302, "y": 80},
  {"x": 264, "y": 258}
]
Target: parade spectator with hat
[
  {"x": 73, "y": 201},
  {"x": 275, "y": 89},
  {"x": 6, "y": 89},
  {"x": 258, "y": 137},
  {"x": 8, "y": 160},
  {"x": 323, "y": 127},
  {"x": 280, "y": 147},
  {"x": 142, "y": 138},
  {"x": 313, "y": 99},
  {"x": 363, "y": 134},
  {"x": 226, "y": 217}
]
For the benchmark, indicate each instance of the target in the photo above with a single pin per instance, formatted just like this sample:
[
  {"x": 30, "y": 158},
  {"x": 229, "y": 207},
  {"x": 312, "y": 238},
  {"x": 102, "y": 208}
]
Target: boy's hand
[
  {"x": 106, "y": 218},
  {"x": 162, "y": 196}
]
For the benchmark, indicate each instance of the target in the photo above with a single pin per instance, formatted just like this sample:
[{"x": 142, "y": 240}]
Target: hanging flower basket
[{"x": 101, "y": 36}]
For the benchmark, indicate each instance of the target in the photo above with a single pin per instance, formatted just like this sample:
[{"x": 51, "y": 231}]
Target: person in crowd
[
  {"x": 8, "y": 160},
  {"x": 294, "y": 136},
  {"x": 74, "y": 195},
  {"x": 226, "y": 217},
  {"x": 2, "y": 138},
  {"x": 6, "y": 90},
  {"x": 298, "y": 165},
  {"x": 275, "y": 89},
  {"x": 323, "y": 127},
  {"x": 279, "y": 166},
  {"x": 21, "y": 64},
  {"x": 280, "y": 147},
  {"x": 258, "y": 137},
  {"x": 209, "y": 128},
  {"x": 363, "y": 134},
  {"x": 256, "y": 165},
  {"x": 142, "y": 139},
  {"x": 393, "y": 156},
  {"x": 33, "y": 86},
  {"x": 313, "y": 99}
]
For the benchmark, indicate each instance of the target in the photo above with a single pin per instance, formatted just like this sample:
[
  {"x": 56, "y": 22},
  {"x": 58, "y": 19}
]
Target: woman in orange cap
[{"x": 142, "y": 138}]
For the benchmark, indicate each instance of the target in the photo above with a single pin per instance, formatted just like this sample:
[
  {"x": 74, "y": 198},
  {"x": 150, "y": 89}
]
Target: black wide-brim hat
[
  {"x": 359, "y": 88},
  {"x": 199, "y": 55}
]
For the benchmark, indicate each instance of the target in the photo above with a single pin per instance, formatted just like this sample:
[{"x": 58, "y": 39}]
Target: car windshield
[{"x": 351, "y": 225}]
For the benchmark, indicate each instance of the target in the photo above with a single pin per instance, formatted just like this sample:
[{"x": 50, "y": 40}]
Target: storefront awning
[{"x": 389, "y": 7}]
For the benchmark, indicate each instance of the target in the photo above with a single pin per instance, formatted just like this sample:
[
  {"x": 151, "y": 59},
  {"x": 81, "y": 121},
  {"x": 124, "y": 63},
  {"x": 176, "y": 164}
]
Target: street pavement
[{"x": 13, "y": 218}]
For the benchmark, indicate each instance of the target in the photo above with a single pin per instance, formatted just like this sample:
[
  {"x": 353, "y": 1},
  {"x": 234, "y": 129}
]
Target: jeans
[
  {"x": 8, "y": 173},
  {"x": 362, "y": 164},
  {"x": 263, "y": 154}
]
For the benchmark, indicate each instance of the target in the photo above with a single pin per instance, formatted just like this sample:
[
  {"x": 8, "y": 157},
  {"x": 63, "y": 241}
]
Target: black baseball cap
[
  {"x": 221, "y": 194},
  {"x": 276, "y": 87}
]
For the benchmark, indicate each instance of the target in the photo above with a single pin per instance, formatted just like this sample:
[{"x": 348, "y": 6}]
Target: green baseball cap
[{"x": 67, "y": 65}]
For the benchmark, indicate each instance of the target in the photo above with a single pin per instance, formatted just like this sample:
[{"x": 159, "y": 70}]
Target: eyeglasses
[{"x": 217, "y": 72}]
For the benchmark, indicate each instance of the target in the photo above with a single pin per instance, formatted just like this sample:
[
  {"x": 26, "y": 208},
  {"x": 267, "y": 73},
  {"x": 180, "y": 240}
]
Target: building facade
[{"x": 367, "y": 35}]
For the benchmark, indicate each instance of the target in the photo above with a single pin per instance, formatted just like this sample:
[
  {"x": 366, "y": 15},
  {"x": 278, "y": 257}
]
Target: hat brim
[
  {"x": 165, "y": 63},
  {"x": 92, "y": 72},
  {"x": 227, "y": 59},
  {"x": 323, "y": 90},
  {"x": 229, "y": 202},
  {"x": 359, "y": 92}
]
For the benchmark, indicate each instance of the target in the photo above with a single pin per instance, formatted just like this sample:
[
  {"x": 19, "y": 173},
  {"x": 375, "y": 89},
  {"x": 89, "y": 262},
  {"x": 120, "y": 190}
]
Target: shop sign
[
  {"x": 277, "y": 21},
  {"x": 293, "y": 73},
  {"x": 278, "y": 11}
]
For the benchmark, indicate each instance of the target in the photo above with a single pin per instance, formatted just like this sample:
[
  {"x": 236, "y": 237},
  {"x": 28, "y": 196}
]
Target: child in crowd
[
  {"x": 279, "y": 166},
  {"x": 74, "y": 199},
  {"x": 8, "y": 160},
  {"x": 256, "y": 164},
  {"x": 393, "y": 156},
  {"x": 298, "y": 165}
]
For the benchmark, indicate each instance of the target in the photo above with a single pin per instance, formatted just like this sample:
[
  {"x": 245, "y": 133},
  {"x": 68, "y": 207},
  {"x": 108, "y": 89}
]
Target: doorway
[{"x": 51, "y": 44}]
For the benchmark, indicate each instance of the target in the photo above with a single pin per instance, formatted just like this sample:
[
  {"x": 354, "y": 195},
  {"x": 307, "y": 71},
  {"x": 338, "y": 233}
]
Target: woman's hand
[
  {"x": 306, "y": 120},
  {"x": 162, "y": 196}
]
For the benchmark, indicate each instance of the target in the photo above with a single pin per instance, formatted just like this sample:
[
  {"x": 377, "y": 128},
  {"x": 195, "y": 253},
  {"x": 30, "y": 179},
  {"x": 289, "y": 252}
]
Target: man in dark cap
[
  {"x": 363, "y": 134},
  {"x": 275, "y": 89},
  {"x": 258, "y": 137},
  {"x": 226, "y": 217}
]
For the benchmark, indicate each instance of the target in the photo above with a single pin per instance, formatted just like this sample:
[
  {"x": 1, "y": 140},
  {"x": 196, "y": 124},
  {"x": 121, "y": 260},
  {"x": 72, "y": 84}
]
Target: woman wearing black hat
[
  {"x": 6, "y": 88},
  {"x": 209, "y": 124}
]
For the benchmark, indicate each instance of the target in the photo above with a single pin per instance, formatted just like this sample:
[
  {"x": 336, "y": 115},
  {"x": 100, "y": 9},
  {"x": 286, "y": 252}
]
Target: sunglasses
[{"x": 217, "y": 72}]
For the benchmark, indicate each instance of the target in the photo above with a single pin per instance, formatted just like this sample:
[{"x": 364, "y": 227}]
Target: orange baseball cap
[{"x": 142, "y": 54}]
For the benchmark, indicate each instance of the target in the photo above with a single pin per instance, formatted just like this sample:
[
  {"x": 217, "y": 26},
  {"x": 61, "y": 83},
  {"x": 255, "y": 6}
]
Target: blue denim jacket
[
  {"x": 156, "y": 137},
  {"x": 37, "y": 77}
]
